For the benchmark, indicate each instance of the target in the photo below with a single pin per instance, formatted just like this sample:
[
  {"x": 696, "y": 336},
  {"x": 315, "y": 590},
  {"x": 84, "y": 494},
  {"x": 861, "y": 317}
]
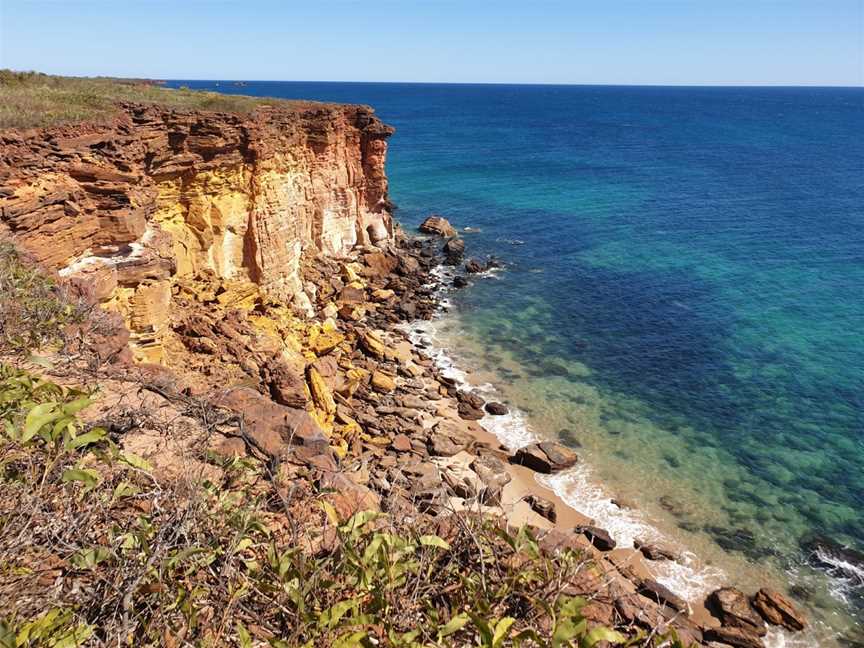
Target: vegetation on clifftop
[{"x": 32, "y": 99}]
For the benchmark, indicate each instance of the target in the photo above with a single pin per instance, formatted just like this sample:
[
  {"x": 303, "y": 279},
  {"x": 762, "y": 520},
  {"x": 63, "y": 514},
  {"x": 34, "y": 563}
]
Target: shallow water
[{"x": 683, "y": 297}]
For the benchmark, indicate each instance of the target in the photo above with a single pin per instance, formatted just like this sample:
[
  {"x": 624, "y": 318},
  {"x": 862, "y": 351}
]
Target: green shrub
[{"x": 33, "y": 308}]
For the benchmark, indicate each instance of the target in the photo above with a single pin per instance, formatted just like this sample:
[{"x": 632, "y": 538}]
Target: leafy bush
[{"x": 33, "y": 308}]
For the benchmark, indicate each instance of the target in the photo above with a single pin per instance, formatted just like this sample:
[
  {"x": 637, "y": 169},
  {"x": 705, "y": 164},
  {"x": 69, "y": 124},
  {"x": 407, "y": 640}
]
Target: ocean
[{"x": 681, "y": 297}]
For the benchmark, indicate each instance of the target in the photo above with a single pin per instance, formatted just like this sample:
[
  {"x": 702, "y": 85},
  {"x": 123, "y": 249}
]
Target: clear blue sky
[{"x": 605, "y": 41}]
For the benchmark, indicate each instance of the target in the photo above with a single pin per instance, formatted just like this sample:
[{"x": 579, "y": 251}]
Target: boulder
[
  {"x": 352, "y": 295},
  {"x": 379, "y": 264},
  {"x": 469, "y": 413},
  {"x": 372, "y": 344},
  {"x": 731, "y": 636},
  {"x": 381, "y": 382},
  {"x": 598, "y": 537},
  {"x": 460, "y": 282},
  {"x": 560, "y": 455},
  {"x": 321, "y": 395},
  {"x": 457, "y": 474},
  {"x": 733, "y": 608},
  {"x": 497, "y": 409},
  {"x": 454, "y": 250},
  {"x": 347, "y": 496},
  {"x": 286, "y": 386},
  {"x": 273, "y": 428},
  {"x": 442, "y": 445},
  {"x": 401, "y": 443},
  {"x": 325, "y": 341},
  {"x": 493, "y": 473},
  {"x": 437, "y": 225},
  {"x": 654, "y": 591},
  {"x": 546, "y": 457},
  {"x": 542, "y": 507},
  {"x": 654, "y": 552},
  {"x": 474, "y": 266},
  {"x": 471, "y": 399},
  {"x": 776, "y": 609}
]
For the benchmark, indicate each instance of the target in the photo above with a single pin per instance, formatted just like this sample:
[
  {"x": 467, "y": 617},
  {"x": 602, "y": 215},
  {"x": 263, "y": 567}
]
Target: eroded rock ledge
[{"x": 159, "y": 196}]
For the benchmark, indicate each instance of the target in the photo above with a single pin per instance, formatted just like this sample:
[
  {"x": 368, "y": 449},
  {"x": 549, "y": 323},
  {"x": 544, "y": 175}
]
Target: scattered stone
[
  {"x": 273, "y": 428},
  {"x": 401, "y": 443},
  {"x": 381, "y": 382},
  {"x": 454, "y": 250},
  {"x": 497, "y": 409},
  {"x": 474, "y": 266},
  {"x": 776, "y": 609},
  {"x": 731, "y": 636},
  {"x": 437, "y": 225},
  {"x": 346, "y": 496},
  {"x": 460, "y": 282},
  {"x": 598, "y": 537},
  {"x": 662, "y": 595},
  {"x": 469, "y": 413},
  {"x": 542, "y": 507},
  {"x": 546, "y": 457},
  {"x": 733, "y": 609},
  {"x": 372, "y": 344},
  {"x": 654, "y": 552}
]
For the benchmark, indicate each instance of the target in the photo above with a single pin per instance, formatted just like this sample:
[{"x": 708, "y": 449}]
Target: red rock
[
  {"x": 346, "y": 496},
  {"x": 733, "y": 608},
  {"x": 732, "y": 636},
  {"x": 273, "y": 428},
  {"x": 401, "y": 443},
  {"x": 776, "y": 609},
  {"x": 598, "y": 537},
  {"x": 438, "y": 225}
]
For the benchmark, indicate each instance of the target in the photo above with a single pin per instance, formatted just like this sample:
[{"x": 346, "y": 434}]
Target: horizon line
[{"x": 521, "y": 83}]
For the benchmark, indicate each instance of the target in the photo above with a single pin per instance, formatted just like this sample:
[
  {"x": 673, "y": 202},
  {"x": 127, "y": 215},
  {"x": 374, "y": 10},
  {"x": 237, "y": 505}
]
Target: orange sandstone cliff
[{"x": 157, "y": 197}]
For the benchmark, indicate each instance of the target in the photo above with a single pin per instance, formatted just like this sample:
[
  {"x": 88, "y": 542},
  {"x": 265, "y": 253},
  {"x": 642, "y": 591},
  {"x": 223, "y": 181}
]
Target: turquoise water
[{"x": 682, "y": 295}]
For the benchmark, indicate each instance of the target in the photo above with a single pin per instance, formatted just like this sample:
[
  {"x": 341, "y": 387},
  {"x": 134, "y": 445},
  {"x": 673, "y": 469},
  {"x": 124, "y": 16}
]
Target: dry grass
[{"x": 31, "y": 99}]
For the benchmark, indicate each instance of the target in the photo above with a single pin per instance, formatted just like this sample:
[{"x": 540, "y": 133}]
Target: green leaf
[
  {"x": 483, "y": 628},
  {"x": 330, "y": 618},
  {"x": 434, "y": 541},
  {"x": 502, "y": 630},
  {"x": 93, "y": 436},
  {"x": 350, "y": 640},
  {"x": 88, "y": 476},
  {"x": 123, "y": 489},
  {"x": 38, "y": 417},
  {"x": 453, "y": 625},
  {"x": 603, "y": 634},
  {"x": 245, "y": 639},
  {"x": 361, "y": 519},
  {"x": 76, "y": 406},
  {"x": 332, "y": 515},
  {"x": 135, "y": 461}
]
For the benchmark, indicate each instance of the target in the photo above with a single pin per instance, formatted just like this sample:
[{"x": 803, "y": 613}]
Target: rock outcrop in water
[{"x": 158, "y": 196}]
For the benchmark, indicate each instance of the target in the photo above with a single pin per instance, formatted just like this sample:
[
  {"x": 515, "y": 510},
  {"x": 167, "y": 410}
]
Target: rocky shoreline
[
  {"x": 249, "y": 264},
  {"x": 407, "y": 442}
]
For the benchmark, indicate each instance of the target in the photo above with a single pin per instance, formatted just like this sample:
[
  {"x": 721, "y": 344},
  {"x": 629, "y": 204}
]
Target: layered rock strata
[{"x": 158, "y": 197}]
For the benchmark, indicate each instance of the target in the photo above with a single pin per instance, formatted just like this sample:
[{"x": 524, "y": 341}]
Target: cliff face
[{"x": 158, "y": 197}]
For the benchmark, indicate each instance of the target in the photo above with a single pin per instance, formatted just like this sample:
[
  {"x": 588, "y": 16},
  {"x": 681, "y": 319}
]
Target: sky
[{"x": 696, "y": 42}]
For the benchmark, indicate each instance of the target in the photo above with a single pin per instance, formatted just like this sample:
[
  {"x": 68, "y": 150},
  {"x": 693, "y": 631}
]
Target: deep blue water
[{"x": 695, "y": 255}]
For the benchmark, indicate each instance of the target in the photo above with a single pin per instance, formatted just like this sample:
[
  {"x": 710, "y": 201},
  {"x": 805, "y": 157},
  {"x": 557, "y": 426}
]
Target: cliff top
[{"x": 32, "y": 99}]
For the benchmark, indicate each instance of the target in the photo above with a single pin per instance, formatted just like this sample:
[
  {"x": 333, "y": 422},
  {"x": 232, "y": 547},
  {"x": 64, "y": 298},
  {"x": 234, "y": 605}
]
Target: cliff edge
[{"x": 156, "y": 196}]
